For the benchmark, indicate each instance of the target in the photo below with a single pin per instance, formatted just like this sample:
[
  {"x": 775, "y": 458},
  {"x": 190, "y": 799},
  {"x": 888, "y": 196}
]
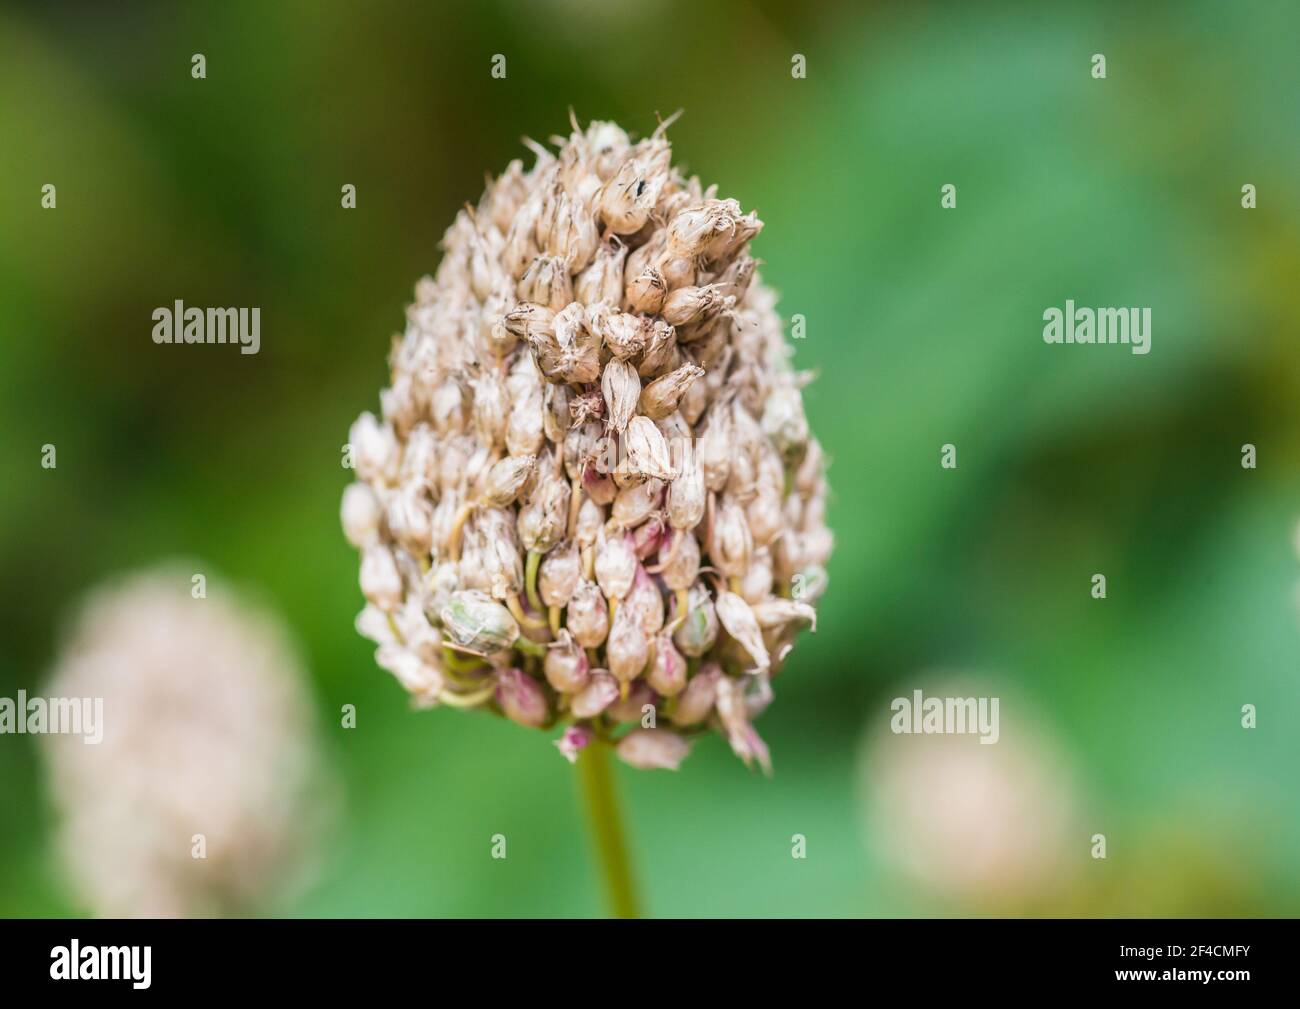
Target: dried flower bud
[
  {"x": 602, "y": 281},
  {"x": 745, "y": 742},
  {"x": 660, "y": 397},
  {"x": 647, "y": 450},
  {"x": 626, "y": 335},
  {"x": 776, "y": 612},
  {"x": 630, "y": 195},
  {"x": 621, "y": 387},
  {"x": 646, "y": 291},
  {"x": 739, "y": 620},
  {"x": 507, "y": 477},
  {"x": 692, "y": 304}
]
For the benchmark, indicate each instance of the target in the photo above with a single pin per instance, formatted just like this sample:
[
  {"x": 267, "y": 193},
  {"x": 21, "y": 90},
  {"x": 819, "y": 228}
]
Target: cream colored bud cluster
[
  {"x": 208, "y": 793},
  {"x": 592, "y": 497}
]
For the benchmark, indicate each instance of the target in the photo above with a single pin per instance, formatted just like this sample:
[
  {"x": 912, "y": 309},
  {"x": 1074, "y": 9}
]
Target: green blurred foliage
[{"x": 924, "y": 325}]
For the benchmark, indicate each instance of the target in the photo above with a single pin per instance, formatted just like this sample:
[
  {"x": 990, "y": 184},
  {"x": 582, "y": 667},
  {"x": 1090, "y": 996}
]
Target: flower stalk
[{"x": 608, "y": 840}]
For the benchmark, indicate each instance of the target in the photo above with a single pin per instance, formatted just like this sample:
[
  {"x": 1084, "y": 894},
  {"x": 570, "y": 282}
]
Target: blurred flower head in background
[
  {"x": 593, "y": 494},
  {"x": 207, "y": 793},
  {"x": 982, "y": 827}
]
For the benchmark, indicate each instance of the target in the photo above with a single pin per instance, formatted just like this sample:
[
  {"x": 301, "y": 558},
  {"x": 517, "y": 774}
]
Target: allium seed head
[{"x": 590, "y": 410}]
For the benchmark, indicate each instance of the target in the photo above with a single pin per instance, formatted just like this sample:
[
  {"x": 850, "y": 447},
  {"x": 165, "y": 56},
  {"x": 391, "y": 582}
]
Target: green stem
[{"x": 607, "y": 828}]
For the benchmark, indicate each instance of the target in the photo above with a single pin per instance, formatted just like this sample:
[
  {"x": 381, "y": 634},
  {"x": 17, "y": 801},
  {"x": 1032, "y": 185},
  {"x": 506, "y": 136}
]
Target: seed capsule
[
  {"x": 520, "y": 698},
  {"x": 587, "y": 616},
  {"x": 566, "y": 665},
  {"x": 473, "y": 620},
  {"x": 558, "y": 576}
]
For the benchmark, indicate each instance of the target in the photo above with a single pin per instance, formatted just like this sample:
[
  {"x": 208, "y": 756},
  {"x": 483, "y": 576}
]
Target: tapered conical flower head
[{"x": 591, "y": 496}]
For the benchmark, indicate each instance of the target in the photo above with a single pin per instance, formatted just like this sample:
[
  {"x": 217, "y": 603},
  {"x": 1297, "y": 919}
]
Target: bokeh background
[{"x": 925, "y": 325}]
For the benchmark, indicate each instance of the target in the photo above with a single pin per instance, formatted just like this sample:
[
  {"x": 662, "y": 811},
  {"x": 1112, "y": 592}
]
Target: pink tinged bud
[
  {"x": 698, "y": 632},
  {"x": 739, "y": 621},
  {"x": 695, "y": 703},
  {"x": 621, "y": 387},
  {"x": 616, "y": 565},
  {"x": 360, "y": 513},
  {"x": 628, "y": 647},
  {"x": 558, "y": 575},
  {"x": 647, "y": 537},
  {"x": 745, "y": 741},
  {"x": 653, "y": 749},
  {"x": 668, "y": 670},
  {"x": 600, "y": 692},
  {"x": 587, "y": 616},
  {"x": 521, "y": 698},
  {"x": 566, "y": 665},
  {"x": 381, "y": 583},
  {"x": 574, "y": 739},
  {"x": 647, "y": 450},
  {"x": 477, "y": 623}
]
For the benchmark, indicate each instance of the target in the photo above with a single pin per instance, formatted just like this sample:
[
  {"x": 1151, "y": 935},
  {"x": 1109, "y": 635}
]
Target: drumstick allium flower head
[{"x": 591, "y": 498}]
